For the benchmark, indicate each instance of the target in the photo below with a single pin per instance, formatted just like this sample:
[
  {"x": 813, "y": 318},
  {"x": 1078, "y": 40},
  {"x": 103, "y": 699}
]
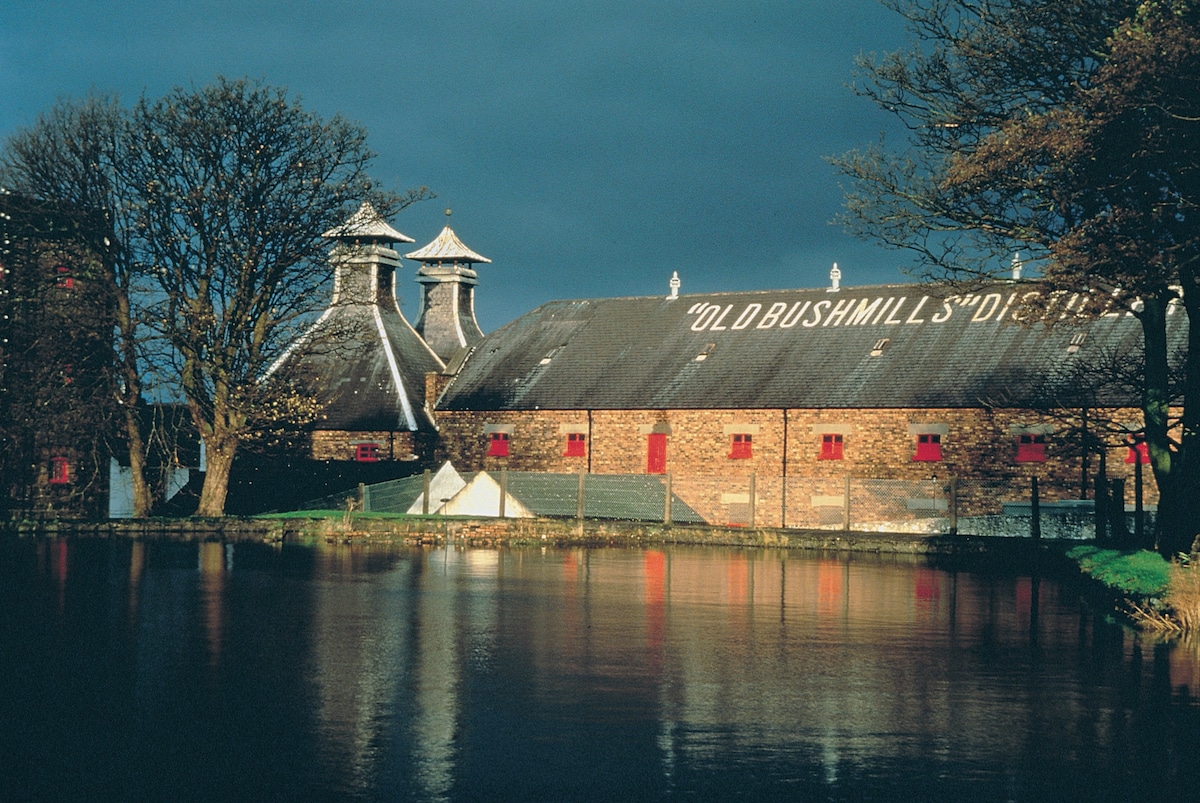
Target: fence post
[
  {"x": 363, "y": 496},
  {"x": 579, "y": 500},
  {"x": 425, "y": 501},
  {"x": 1101, "y": 508},
  {"x": 503, "y": 489},
  {"x": 753, "y": 500},
  {"x": 953, "y": 505},
  {"x": 1139, "y": 527},
  {"x": 1035, "y": 513},
  {"x": 667, "y": 498},
  {"x": 783, "y": 502},
  {"x": 1120, "y": 527},
  {"x": 846, "y": 505}
]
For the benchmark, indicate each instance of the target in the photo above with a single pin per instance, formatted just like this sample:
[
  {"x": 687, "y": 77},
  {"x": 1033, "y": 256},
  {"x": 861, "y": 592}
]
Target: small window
[
  {"x": 576, "y": 445},
  {"x": 831, "y": 447},
  {"x": 60, "y": 471},
  {"x": 1031, "y": 448},
  {"x": 929, "y": 447},
  {"x": 63, "y": 278},
  {"x": 741, "y": 447},
  {"x": 498, "y": 444},
  {"x": 366, "y": 452},
  {"x": 1139, "y": 451}
]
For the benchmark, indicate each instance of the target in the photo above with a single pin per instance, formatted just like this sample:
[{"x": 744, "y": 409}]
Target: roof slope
[
  {"x": 367, "y": 366},
  {"x": 946, "y": 347}
]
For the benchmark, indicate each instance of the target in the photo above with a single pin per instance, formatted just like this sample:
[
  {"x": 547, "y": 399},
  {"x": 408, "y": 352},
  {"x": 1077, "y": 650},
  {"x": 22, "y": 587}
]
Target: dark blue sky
[{"x": 587, "y": 148}]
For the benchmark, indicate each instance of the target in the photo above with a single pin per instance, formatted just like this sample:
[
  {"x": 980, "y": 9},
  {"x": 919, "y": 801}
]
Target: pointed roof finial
[
  {"x": 446, "y": 247},
  {"x": 835, "y": 279},
  {"x": 674, "y": 284},
  {"x": 367, "y": 224},
  {"x": 1017, "y": 264}
]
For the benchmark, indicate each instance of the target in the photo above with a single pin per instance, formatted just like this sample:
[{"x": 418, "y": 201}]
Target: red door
[{"x": 656, "y": 453}]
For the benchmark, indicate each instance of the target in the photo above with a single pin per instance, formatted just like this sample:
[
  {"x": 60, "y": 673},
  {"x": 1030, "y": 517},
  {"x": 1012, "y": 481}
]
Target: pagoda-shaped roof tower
[
  {"x": 365, "y": 362},
  {"x": 447, "y": 317},
  {"x": 447, "y": 248},
  {"x": 366, "y": 225}
]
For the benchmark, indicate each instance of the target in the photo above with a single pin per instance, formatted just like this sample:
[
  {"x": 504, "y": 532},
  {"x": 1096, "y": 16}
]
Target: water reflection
[{"x": 187, "y": 670}]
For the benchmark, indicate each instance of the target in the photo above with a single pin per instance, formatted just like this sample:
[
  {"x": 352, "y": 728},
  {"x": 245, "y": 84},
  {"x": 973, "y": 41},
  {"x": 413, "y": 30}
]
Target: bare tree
[
  {"x": 236, "y": 183},
  {"x": 1070, "y": 131}
]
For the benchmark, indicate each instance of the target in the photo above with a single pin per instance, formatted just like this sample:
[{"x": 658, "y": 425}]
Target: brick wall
[
  {"x": 978, "y": 448},
  {"x": 341, "y": 445}
]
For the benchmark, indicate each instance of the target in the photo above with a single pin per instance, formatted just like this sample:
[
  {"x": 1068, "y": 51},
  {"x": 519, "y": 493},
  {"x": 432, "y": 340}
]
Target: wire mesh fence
[{"x": 860, "y": 504}]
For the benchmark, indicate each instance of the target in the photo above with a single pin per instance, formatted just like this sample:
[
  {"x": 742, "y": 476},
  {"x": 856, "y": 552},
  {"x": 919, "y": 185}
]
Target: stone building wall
[
  {"x": 343, "y": 445},
  {"x": 978, "y": 449}
]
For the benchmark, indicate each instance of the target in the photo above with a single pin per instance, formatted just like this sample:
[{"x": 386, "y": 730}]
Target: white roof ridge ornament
[
  {"x": 367, "y": 224},
  {"x": 674, "y": 284},
  {"x": 835, "y": 280}
]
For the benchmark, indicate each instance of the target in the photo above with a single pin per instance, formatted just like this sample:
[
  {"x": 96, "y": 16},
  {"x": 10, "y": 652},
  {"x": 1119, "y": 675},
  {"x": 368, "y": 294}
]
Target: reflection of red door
[{"x": 656, "y": 453}]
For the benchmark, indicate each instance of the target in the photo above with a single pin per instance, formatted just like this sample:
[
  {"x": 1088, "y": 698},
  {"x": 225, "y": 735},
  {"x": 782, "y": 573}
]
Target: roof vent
[
  {"x": 835, "y": 279},
  {"x": 674, "y": 285},
  {"x": 879, "y": 346},
  {"x": 1077, "y": 340}
]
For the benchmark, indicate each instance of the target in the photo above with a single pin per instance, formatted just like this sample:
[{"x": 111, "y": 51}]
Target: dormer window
[
  {"x": 60, "y": 471},
  {"x": 576, "y": 445},
  {"x": 929, "y": 441},
  {"x": 366, "y": 452},
  {"x": 498, "y": 444},
  {"x": 1031, "y": 448},
  {"x": 929, "y": 447},
  {"x": 831, "y": 447},
  {"x": 1139, "y": 450}
]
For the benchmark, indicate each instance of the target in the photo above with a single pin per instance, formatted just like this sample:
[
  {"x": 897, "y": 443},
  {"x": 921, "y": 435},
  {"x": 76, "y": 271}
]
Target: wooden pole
[
  {"x": 503, "y": 489},
  {"x": 752, "y": 499},
  {"x": 667, "y": 498},
  {"x": 1035, "y": 513},
  {"x": 846, "y": 505}
]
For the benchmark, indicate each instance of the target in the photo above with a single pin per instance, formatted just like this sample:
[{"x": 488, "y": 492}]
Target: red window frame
[
  {"x": 656, "y": 453},
  {"x": 929, "y": 448},
  {"x": 1031, "y": 448},
  {"x": 60, "y": 471},
  {"x": 741, "y": 446},
  {"x": 831, "y": 447},
  {"x": 63, "y": 278},
  {"x": 576, "y": 445},
  {"x": 498, "y": 444},
  {"x": 1139, "y": 450},
  {"x": 366, "y": 452}
]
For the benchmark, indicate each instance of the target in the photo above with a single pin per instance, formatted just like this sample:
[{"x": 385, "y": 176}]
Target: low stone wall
[{"x": 515, "y": 532}]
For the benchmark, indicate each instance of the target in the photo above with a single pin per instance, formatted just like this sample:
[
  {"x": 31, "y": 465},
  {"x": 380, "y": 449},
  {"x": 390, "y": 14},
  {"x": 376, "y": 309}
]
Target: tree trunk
[
  {"x": 219, "y": 452},
  {"x": 143, "y": 499},
  {"x": 1175, "y": 471}
]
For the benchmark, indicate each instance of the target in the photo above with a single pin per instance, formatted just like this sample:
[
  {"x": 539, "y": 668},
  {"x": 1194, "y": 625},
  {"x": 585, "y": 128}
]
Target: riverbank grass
[
  {"x": 1136, "y": 574},
  {"x": 1160, "y": 595}
]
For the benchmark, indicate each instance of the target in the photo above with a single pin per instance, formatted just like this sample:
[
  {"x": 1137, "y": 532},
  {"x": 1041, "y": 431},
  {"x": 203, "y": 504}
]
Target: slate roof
[
  {"x": 356, "y": 376},
  {"x": 947, "y": 346}
]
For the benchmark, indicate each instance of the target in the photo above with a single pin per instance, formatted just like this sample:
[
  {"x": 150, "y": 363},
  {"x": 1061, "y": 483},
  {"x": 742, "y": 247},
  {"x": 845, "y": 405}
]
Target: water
[{"x": 168, "y": 671}]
